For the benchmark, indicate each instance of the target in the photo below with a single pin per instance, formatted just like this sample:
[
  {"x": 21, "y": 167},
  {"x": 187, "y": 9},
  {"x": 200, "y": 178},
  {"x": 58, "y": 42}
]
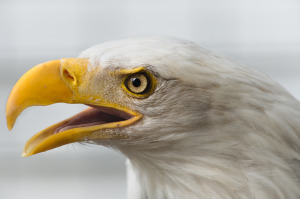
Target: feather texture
[{"x": 212, "y": 128}]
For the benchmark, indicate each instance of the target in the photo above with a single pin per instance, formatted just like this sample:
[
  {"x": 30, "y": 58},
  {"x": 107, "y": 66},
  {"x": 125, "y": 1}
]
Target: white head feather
[{"x": 211, "y": 129}]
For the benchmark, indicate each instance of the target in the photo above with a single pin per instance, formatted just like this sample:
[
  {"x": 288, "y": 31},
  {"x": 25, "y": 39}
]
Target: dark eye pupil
[{"x": 136, "y": 82}]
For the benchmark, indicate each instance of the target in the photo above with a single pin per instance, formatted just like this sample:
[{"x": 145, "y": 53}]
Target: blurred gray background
[{"x": 261, "y": 34}]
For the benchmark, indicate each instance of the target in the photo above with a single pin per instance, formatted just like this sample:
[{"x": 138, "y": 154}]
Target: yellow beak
[{"x": 59, "y": 81}]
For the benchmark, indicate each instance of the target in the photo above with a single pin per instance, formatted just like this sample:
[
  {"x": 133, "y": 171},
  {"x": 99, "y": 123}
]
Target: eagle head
[{"x": 193, "y": 124}]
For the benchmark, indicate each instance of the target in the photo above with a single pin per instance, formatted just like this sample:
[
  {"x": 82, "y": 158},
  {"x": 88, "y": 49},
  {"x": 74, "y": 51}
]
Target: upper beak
[
  {"x": 43, "y": 85},
  {"x": 53, "y": 82}
]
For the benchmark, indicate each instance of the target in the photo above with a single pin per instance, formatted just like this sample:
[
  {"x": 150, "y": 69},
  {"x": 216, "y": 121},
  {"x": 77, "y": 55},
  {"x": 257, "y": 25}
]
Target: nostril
[{"x": 68, "y": 75}]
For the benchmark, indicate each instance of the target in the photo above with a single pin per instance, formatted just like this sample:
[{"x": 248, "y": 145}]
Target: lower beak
[{"x": 58, "y": 81}]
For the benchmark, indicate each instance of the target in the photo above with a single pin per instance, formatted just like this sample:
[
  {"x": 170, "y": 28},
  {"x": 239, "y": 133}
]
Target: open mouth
[
  {"x": 95, "y": 115},
  {"x": 84, "y": 126}
]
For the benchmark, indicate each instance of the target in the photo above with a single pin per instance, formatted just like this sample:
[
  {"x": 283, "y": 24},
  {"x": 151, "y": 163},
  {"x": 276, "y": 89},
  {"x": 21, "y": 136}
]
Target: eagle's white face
[
  {"x": 178, "y": 102},
  {"x": 205, "y": 127}
]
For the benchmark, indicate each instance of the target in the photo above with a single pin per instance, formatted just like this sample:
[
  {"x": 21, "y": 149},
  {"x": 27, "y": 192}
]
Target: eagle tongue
[{"x": 88, "y": 117}]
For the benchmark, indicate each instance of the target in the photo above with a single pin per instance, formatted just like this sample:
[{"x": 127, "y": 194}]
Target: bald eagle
[{"x": 192, "y": 124}]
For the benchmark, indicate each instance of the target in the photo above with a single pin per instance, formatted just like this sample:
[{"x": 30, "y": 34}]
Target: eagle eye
[{"x": 138, "y": 83}]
